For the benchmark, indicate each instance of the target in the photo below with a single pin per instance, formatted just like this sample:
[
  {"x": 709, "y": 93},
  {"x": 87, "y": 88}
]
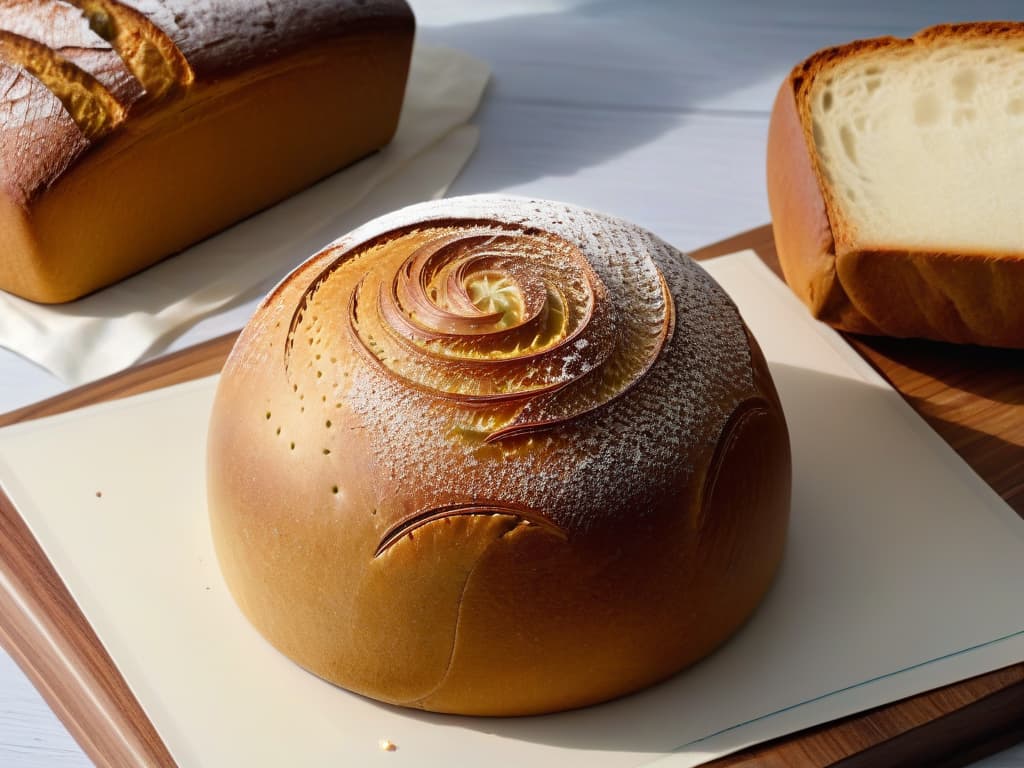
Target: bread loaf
[
  {"x": 497, "y": 456},
  {"x": 129, "y": 129},
  {"x": 893, "y": 175}
]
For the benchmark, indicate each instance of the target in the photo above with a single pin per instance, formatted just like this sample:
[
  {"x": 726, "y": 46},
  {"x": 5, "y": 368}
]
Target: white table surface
[{"x": 653, "y": 110}]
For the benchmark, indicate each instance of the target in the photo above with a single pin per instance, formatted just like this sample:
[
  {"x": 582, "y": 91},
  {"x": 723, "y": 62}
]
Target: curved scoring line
[
  {"x": 430, "y": 261},
  {"x": 410, "y": 333},
  {"x": 594, "y": 288},
  {"x": 591, "y": 280},
  {"x": 667, "y": 331},
  {"x": 499, "y": 229},
  {"x": 425, "y": 306},
  {"x": 414, "y": 338},
  {"x": 355, "y": 250},
  {"x": 421, "y": 266},
  {"x": 460, "y": 398},
  {"x": 424, "y": 517}
]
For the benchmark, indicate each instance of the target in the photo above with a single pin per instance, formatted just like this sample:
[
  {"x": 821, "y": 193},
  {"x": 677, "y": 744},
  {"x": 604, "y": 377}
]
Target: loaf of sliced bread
[{"x": 894, "y": 180}]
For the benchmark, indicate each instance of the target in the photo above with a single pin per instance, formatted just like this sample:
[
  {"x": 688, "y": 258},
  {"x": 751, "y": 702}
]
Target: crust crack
[
  {"x": 148, "y": 52},
  {"x": 87, "y": 101},
  {"x": 409, "y": 524}
]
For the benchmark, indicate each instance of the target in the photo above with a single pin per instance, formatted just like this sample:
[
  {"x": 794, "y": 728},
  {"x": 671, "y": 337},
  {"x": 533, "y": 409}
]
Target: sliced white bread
[{"x": 895, "y": 170}]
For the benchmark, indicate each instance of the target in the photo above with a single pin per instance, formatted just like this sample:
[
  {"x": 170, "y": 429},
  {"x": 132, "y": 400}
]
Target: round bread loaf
[{"x": 497, "y": 456}]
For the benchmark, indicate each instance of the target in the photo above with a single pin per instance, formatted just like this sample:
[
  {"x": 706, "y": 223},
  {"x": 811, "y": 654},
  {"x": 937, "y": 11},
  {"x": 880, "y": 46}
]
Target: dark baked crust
[
  {"x": 38, "y": 138},
  {"x": 62, "y": 28},
  {"x": 963, "y": 297},
  {"x": 221, "y": 37}
]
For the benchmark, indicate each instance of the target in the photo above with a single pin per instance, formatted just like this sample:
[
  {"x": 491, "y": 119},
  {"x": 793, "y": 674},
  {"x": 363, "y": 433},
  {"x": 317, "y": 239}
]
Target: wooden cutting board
[{"x": 974, "y": 398}]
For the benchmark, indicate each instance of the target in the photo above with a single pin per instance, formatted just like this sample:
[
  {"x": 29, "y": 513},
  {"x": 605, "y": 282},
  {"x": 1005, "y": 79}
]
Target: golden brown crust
[
  {"x": 960, "y": 297},
  {"x": 62, "y": 28},
  {"x": 38, "y": 138},
  {"x": 222, "y": 37},
  {"x": 397, "y": 540},
  {"x": 88, "y": 103},
  {"x": 965, "y": 298},
  {"x": 146, "y": 49},
  {"x": 803, "y": 234},
  {"x": 101, "y": 199}
]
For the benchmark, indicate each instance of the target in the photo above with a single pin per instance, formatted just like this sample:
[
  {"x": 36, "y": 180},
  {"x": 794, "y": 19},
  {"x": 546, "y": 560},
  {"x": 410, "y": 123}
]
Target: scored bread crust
[
  {"x": 38, "y": 138},
  {"x": 62, "y": 28},
  {"x": 957, "y": 296},
  {"x": 267, "y": 98},
  {"x": 554, "y": 568},
  {"x": 220, "y": 38}
]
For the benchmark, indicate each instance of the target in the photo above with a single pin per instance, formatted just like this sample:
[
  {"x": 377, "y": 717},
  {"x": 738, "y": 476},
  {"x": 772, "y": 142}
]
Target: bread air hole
[
  {"x": 819, "y": 135},
  {"x": 964, "y": 84},
  {"x": 927, "y": 109},
  {"x": 849, "y": 143}
]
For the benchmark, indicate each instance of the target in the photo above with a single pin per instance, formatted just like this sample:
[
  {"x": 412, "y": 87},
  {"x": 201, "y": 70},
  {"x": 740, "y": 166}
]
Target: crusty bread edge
[
  {"x": 801, "y": 224},
  {"x": 945, "y": 293}
]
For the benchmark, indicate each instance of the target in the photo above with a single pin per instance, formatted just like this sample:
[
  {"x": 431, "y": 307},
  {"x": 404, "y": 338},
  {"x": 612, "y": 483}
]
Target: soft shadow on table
[
  {"x": 999, "y": 462},
  {"x": 987, "y": 372},
  {"x": 584, "y": 85}
]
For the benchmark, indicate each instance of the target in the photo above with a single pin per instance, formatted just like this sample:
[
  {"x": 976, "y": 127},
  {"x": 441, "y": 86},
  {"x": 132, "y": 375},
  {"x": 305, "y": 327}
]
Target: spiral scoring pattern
[{"x": 516, "y": 328}]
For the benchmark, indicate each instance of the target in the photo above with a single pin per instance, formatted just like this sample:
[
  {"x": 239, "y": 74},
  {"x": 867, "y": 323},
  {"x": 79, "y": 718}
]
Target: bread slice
[
  {"x": 894, "y": 169},
  {"x": 218, "y": 108}
]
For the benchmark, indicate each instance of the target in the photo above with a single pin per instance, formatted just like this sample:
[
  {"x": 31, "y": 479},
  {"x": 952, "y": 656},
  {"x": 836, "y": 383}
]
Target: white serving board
[{"x": 903, "y": 572}]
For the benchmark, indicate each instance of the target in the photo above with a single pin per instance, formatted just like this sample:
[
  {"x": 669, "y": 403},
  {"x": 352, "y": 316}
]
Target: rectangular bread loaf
[{"x": 130, "y": 129}]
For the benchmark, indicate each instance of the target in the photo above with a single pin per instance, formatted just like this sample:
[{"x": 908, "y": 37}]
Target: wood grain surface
[{"x": 973, "y": 397}]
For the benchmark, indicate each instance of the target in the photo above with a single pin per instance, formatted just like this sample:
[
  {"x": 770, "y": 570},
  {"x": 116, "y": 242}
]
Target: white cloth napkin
[{"x": 115, "y": 327}]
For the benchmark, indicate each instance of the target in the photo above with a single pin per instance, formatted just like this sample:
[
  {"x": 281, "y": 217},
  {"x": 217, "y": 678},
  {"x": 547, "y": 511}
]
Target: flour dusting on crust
[{"x": 595, "y": 467}]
